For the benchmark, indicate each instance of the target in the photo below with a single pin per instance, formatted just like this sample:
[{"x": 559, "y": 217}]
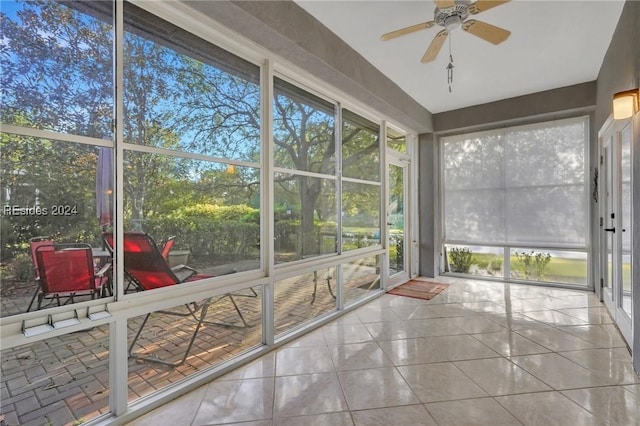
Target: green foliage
[
  {"x": 57, "y": 75},
  {"x": 532, "y": 264},
  {"x": 215, "y": 212},
  {"x": 214, "y": 234},
  {"x": 46, "y": 173},
  {"x": 488, "y": 262},
  {"x": 396, "y": 251},
  {"x": 20, "y": 268},
  {"x": 289, "y": 237},
  {"x": 481, "y": 261},
  {"x": 460, "y": 259}
]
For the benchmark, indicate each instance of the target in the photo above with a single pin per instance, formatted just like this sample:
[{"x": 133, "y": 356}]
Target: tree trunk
[{"x": 309, "y": 193}]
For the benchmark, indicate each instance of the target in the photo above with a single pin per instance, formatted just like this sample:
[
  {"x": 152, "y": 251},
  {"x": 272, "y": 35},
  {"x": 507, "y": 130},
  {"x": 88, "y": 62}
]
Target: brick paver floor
[{"x": 64, "y": 380}]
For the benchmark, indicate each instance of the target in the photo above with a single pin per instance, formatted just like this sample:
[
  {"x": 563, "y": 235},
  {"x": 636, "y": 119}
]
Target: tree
[
  {"x": 304, "y": 138},
  {"x": 182, "y": 95},
  {"x": 56, "y": 67}
]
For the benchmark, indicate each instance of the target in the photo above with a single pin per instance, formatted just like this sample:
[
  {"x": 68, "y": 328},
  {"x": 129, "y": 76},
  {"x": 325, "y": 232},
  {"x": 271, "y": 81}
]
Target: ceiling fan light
[
  {"x": 452, "y": 22},
  {"x": 625, "y": 104}
]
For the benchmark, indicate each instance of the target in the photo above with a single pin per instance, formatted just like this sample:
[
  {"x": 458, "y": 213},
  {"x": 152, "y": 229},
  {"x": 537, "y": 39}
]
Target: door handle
[{"x": 610, "y": 229}]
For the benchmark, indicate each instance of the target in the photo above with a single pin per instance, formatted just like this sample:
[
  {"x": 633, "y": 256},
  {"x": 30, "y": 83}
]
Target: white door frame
[
  {"x": 403, "y": 275},
  {"x": 612, "y": 229}
]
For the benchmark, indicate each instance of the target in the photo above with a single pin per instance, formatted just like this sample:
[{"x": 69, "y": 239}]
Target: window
[
  {"x": 305, "y": 181},
  {"x": 360, "y": 147},
  {"x": 57, "y": 80},
  {"x": 57, "y": 66},
  {"x": 360, "y": 182},
  {"x": 523, "y": 187},
  {"x": 195, "y": 109},
  {"x": 187, "y": 173},
  {"x": 396, "y": 140}
]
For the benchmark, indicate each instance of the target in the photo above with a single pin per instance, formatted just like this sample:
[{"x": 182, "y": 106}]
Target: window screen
[{"x": 521, "y": 185}]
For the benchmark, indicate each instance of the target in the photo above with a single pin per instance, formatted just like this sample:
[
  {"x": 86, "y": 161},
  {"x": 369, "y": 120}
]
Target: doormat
[{"x": 419, "y": 289}]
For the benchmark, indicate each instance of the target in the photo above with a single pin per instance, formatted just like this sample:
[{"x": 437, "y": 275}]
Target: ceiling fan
[{"x": 452, "y": 14}]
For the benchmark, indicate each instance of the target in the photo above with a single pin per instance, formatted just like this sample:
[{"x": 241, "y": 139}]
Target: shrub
[
  {"x": 532, "y": 265},
  {"x": 460, "y": 259},
  {"x": 21, "y": 268},
  {"x": 214, "y": 234}
]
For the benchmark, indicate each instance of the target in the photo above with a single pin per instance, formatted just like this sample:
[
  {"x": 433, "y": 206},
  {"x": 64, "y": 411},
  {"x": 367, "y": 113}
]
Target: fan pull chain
[{"x": 450, "y": 66}]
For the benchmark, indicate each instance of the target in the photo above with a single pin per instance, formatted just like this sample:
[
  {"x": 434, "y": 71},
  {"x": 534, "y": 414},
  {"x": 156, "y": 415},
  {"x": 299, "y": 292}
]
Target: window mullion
[
  {"x": 268, "y": 203},
  {"x": 338, "y": 151},
  {"x": 118, "y": 359}
]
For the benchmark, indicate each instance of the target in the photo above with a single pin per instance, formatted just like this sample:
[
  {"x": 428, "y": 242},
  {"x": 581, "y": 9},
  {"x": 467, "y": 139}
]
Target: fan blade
[
  {"x": 482, "y": 5},
  {"x": 407, "y": 30},
  {"x": 443, "y": 4},
  {"x": 435, "y": 46},
  {"x": 488, "y": 32}
]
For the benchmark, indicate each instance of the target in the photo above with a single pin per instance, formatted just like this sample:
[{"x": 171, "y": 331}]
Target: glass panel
[
  {"x": 212, "y": 212},
  {"x": 545, "y": 180},
  {"x": 57, "y": 66},
  {"x": 303, "y": 130},
  {"x": 558, "y": 146},
  {"x": 57, "y": 381},
  {"x": 474, "y": 215},
  {"x": 360, "y": 215},
  {"x": 305, "y": 217},
  {"x": 473, "y": 162},
  {"x": 625, "y": 219},
  {"x": 183, "y": 93},
  {"x": 608, "y": 222},
  {"x": 300, "y": 299},
  {"x": 176, "y": 338},
  {"x": 473, "y": 197},
  {"x": 534, "y": 214},
  {"x": 360, "y": 147},
  {"x": 567, "y": 267},
  {"x": 395, "y": 219},
  {"x": 396, "y": 141},
  {"x": 361, "y": 277},
  {"x": 48, "y": 190},
  {"x": 475, "y": 260}
]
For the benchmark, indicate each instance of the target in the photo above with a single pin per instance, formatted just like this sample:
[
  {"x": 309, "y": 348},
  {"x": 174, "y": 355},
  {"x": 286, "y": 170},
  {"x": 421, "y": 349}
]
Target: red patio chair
[
  {"x": 145, "y": 266},
  {"x": 34, "y": 243},
  {"x": 67, "y": 271}
]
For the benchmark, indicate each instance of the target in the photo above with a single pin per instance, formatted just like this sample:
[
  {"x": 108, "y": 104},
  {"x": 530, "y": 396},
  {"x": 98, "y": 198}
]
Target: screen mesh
[{"x": 517, "y": 186}]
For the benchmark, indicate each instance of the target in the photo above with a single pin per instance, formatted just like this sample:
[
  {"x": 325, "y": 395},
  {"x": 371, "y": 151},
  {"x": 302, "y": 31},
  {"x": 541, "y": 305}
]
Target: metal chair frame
[
  {"x": 197, "y": 311},
  {"x": 95, "y": 285}
]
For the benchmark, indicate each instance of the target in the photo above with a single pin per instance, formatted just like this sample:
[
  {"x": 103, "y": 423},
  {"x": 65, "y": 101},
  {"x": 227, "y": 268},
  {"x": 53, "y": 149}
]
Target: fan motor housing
[{"x": 454, "y": 14}]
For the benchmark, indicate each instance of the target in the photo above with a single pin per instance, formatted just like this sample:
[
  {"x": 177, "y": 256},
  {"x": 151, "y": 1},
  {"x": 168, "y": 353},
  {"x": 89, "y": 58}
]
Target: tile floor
[{"x": 480, "y": 353}]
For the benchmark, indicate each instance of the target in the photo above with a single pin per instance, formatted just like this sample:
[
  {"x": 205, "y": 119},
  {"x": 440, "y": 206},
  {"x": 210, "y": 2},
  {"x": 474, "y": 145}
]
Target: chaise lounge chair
[{"x": 147, "y": 269}]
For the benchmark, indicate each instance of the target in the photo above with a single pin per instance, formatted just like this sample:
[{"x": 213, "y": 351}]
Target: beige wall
[
  {"x": 620, "y": 68},
  {"x": 548, "y": 105}
]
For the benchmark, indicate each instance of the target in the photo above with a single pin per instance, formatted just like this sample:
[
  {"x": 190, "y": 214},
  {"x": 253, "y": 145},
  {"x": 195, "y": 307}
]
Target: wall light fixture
[{"x": 625, "y": 104}]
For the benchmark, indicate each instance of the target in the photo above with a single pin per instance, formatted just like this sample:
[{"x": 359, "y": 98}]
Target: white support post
[{"x": 267, "y": 188}]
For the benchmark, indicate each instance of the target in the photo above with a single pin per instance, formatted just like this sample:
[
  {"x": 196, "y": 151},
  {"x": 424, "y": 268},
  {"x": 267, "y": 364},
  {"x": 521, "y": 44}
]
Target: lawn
[{"x": 562, "y": 270}]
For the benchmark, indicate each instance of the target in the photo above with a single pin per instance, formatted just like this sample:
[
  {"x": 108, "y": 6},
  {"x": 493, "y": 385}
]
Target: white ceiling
[{"x": 552, "y": 44}]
